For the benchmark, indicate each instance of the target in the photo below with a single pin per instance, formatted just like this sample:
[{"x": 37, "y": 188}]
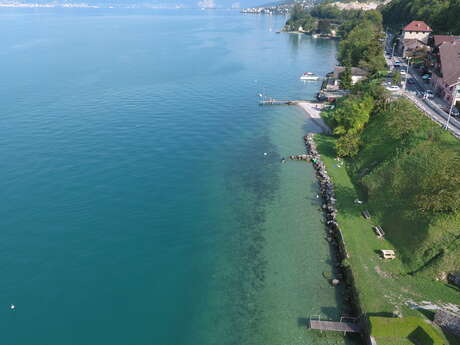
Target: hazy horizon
[{"x": 139, "y": 3}]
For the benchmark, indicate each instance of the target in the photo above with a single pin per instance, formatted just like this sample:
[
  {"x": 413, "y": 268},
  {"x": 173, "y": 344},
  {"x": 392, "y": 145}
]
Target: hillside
[
  {"x": 410, "y": 182},
  {"x": 441, "y": 15},
  {"x": 405, "y": 168}
]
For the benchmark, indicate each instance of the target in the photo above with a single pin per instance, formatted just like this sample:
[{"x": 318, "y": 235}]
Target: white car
[
  {"x": 393, "y": 88},
  {"x": 428, "y": 94},
  {"x": 403, "y": 73}
]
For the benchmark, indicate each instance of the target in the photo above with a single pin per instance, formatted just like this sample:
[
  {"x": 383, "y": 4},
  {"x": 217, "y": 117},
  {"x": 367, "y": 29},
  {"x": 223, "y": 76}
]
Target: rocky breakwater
[{"x": 334, "y": 235}]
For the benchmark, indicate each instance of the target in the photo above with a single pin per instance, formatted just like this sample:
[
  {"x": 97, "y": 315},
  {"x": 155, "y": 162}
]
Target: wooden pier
[
  {"x": 341, "y": 326},
  {"x": 273, "y": 101}
]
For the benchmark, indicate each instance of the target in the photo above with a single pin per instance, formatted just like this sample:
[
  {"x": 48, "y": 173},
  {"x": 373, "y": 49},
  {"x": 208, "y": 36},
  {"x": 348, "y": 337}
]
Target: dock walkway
[
  {"x": 279, "y": 101},
  {"x": 335, "y": 326}
]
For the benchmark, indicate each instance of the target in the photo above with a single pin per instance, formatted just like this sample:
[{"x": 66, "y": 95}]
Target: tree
[
  {"x": 348, "y": 145},
  {"x": 403, "y": 120},
  {"x": 427, "y": 178},
  {"x": 300, "y": 18},
  {"x": 324, "y": 26},
  {"x": 345, "y": 79},
  {"x": 351, "y": 114},
  {"x": 362, "y": 47},
  {"x": 297, "y": 12},
  {"x": 396, "y": 77}
]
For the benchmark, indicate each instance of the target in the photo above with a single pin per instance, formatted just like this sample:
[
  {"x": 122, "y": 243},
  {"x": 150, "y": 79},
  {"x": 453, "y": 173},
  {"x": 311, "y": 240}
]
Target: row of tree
[
  {"x": 324, "y": 17},
  {"x": 301, "y": 18},
  {"x": 419, "y": 151},
  {"x": 441, "y": 15},
  {"x": 362, "y": 45},
  {"x": 405, "y": 165}
]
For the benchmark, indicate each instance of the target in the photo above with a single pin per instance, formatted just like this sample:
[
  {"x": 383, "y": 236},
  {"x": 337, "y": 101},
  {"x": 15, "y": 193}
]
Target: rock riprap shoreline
[{"x": 333, "y": 232}]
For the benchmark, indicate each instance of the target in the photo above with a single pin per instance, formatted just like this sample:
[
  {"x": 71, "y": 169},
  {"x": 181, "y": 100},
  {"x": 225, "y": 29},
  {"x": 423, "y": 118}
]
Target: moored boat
[{"x": 309, "y": 76}]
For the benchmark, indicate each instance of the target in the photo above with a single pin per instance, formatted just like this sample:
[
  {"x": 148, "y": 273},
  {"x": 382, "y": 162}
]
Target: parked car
[
  {"x": 454, "y": 113},
  {"x": 428, "y": 94},
  {"x": 402, "y": 72},
  {"x": 411, "y": 81},
  {"x": 393, "y": 88}
]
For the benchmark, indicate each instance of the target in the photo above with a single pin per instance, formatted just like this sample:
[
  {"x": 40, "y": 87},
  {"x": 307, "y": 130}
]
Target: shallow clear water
[{"x": 137, "y": 204}]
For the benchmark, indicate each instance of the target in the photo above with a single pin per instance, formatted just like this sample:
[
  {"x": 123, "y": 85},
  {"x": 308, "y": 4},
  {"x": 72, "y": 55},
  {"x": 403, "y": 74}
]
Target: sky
[{"x": 147, "y": 3}]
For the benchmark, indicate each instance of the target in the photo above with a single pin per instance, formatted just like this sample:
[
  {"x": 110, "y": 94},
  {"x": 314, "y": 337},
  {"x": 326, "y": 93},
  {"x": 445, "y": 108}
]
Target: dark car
[
  {"x": 454, "y": 113},
  {"x": 411, "y": 81}
]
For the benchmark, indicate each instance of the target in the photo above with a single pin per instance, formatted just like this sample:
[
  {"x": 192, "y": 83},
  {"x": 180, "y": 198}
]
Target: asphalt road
[{"x": 431, "y": 107}]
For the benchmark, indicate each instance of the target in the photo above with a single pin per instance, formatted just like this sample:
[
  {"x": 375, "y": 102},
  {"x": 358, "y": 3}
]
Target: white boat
[{"x": 309, "y": 76}]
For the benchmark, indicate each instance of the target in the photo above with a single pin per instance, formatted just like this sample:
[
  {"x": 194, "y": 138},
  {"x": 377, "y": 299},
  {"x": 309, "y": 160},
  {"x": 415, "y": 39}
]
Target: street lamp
[{"x": 454, "y": 99}]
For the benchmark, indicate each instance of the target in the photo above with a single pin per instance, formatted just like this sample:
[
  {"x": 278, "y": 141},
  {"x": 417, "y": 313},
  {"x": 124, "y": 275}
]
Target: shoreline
[
  {"x": 313, "y": 111},
  {"x": 344, "y": 273}
]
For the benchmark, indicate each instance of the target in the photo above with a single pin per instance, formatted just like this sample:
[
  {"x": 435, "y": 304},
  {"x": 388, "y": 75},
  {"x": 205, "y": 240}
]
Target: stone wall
[{"x": 448, "y": 321}]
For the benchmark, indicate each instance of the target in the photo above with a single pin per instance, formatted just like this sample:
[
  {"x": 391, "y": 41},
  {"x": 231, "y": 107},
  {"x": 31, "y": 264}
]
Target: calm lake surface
[{"x": 137, "y": 204}]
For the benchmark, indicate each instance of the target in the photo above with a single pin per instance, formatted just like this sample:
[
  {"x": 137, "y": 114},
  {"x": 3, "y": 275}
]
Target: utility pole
[{"x": 407, "y": 73}]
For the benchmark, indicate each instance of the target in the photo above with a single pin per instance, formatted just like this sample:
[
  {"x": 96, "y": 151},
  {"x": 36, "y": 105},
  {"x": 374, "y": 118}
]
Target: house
[
  {"x": 414, "y": 48},
  {"x": 414, "y": 37},
  {"x": 416, "y": 30},
  {"x": 437, "y": 40},
  {"x": 333, "y": 81},
  {"x": 446, "y": 70}
]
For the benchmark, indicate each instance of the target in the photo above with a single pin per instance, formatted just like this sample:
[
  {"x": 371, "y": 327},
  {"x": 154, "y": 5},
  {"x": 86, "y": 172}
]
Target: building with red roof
[{"x": 416, "y": 30}]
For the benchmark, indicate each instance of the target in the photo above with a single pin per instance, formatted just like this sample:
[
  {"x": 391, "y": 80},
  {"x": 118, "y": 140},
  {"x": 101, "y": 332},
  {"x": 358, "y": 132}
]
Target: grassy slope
[
  {"x": 419, "y": 241},
  {"x": 382, "y": 285},
  {"x": 397, "y": 331}
]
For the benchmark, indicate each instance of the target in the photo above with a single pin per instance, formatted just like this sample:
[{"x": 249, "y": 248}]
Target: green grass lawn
[
  {"x": 383, "y": 287},
  {"x": 409, "y": 330}
]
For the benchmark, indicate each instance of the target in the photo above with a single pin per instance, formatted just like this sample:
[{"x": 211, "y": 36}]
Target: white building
[{"x": 416, "y": 30}]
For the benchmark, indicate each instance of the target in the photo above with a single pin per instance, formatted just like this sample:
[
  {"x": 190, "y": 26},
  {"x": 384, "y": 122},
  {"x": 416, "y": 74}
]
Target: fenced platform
[{"x": 341, "y": 326}]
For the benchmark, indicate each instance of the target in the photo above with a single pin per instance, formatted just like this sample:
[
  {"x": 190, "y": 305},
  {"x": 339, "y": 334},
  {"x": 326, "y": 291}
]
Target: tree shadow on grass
[
  {"x": 406, "y": 233},
  {"x": 325, "y": 145},
  {"x": 420, "y": 337},
  {"x": 381, "y": 314},
  {"x": 345, "y": 200},
  {"x": 429, "y": 314},
  {"x": 453, "y": 287}
]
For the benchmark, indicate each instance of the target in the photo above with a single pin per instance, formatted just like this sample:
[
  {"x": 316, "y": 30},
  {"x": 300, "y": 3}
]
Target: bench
[
  {"x": 366, "y": 214},
  {"x": 378, "y": 231}
]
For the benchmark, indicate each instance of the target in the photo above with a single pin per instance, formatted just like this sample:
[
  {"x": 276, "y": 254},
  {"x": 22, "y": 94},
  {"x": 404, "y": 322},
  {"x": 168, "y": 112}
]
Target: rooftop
[
  {"x": 439, "y": 39},
  {"x": 355, "y": 71},
  {"x": 417, "y": 25},
  {"x": 449, "y": 56}
]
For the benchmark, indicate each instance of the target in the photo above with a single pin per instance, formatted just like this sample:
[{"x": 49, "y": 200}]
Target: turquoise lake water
[{"x": 137, "y": 204}]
